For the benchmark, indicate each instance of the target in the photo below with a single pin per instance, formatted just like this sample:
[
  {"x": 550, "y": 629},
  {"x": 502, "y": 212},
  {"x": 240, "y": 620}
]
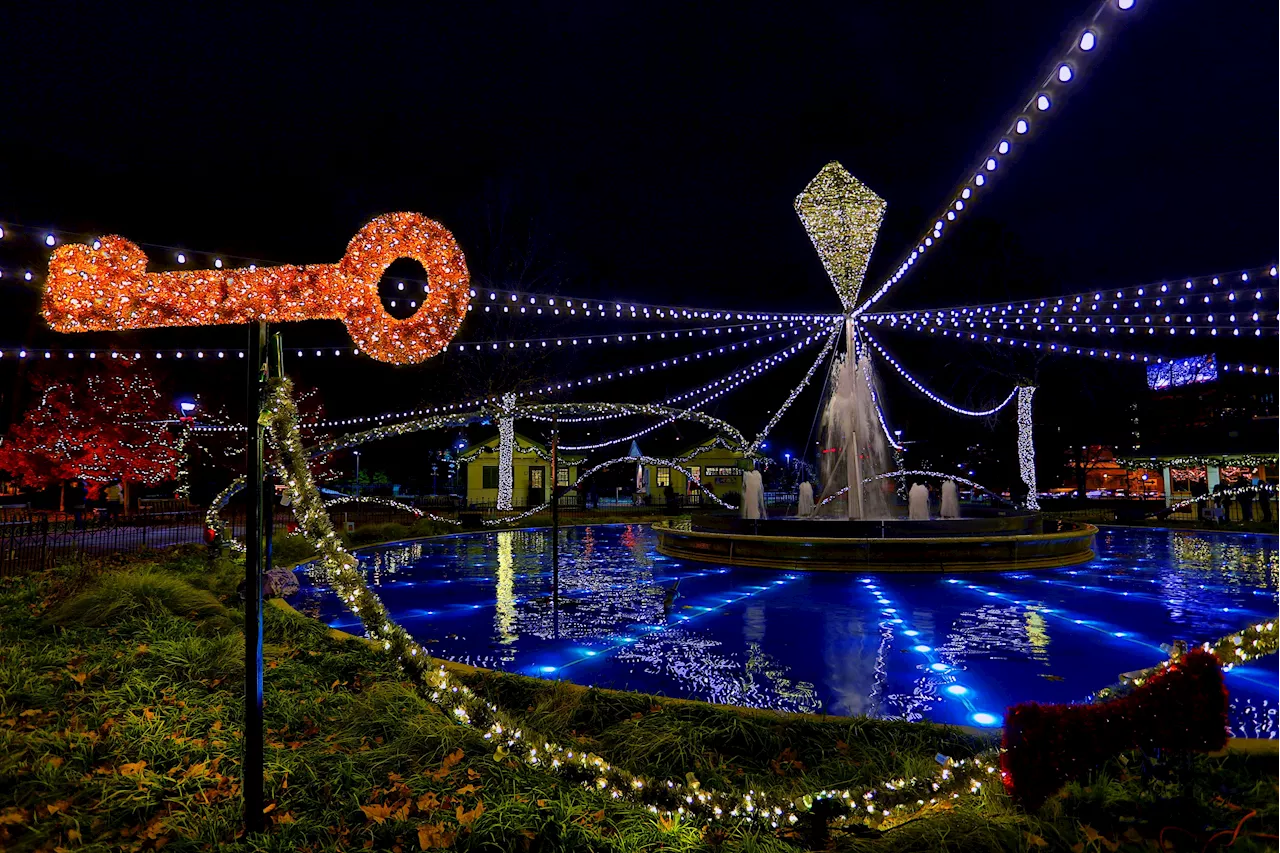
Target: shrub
[{"x": 139, "y": 594}]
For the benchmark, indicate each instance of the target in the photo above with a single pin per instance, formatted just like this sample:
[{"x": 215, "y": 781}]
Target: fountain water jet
[{"x": 854, "y": 448}]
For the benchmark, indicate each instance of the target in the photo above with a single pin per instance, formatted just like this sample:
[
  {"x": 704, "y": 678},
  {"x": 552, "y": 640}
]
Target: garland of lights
[
  {"x": 912, "y": 473},
  {"x": 915, "y": 383},
  {"x": 795, "y": 392},
  {"x": 732, "y": 384},
  {"x": 875, "y": 402},
  {"x": 105, "y": 287},
  {"x": 1234, "y": 491},
  {"x": 1091, "y": 325},
  {"x": 571, "y": 384},
  {"x": 877, "y": 805},
  {"x": 389, "y": 502},
  {"x": 749, "y": 372},
  {"x": 1026, "y": 445},
  {"x": 1247, "y": 460},
  {"x": 647, "y": 337}
]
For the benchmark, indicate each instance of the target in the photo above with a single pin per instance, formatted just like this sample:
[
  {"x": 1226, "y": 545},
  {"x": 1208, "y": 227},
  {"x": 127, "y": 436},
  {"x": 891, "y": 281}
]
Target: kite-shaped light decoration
[
  {"x": 106, "y": 287},
  {"x": 843, "y": 218}
]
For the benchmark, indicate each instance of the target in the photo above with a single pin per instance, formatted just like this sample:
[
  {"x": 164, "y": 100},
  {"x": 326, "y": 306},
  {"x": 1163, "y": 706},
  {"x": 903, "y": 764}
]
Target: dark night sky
[{"x": 656, "y": 147}]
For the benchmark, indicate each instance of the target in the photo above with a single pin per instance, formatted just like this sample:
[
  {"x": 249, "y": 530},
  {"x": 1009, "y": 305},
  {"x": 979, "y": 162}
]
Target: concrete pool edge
[{"x": 937, "y": 554}]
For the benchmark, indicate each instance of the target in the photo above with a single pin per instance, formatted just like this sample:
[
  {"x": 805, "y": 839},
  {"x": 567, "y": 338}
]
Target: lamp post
[{"x": 357, "y": 453}]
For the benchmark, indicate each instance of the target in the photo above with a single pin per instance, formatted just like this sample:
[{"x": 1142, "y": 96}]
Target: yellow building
[
  {"x": 530, "y": 462},
  {"x": 718, "y": 463}
]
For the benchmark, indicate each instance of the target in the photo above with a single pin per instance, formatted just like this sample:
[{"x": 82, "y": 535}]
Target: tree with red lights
[{"x": 101, "y": 425}]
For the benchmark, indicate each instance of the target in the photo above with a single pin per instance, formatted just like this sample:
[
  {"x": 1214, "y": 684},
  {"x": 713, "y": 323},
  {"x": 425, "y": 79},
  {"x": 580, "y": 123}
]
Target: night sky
[{"x": 647, "y": 152}]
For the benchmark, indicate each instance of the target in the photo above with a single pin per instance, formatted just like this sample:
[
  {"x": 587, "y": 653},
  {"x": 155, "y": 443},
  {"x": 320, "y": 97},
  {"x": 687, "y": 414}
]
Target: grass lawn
[{"x": 121, "y": 711}]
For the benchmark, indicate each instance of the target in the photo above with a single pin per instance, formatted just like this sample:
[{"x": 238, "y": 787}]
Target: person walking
[
  {"x": 77, "y": 496},
  {"x": 114, "y": 495},
  {"x": 1246, "y": 502}
]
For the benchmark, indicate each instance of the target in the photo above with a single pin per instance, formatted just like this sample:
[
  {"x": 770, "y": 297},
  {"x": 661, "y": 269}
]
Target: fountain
[{"x": 857, "y": 525}]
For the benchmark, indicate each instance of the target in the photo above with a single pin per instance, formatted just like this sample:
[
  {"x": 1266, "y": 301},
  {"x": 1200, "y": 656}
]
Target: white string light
[
  {"x": 506, "y": 443},
  {"x": 1026, "y": 445},
  {"x": 1079, "y": 53},
  {"x": 932, "y": 396},
  {"x": 795, "y": 392},
  {"x": 1216, "y": 286},
  {"x": 571, "y": 384}
]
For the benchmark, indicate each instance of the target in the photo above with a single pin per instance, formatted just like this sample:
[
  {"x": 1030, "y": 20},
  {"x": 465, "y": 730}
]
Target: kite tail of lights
[
  {"x": 881, "y": 806},
  {"x": 915, "y": 383},
  {"x": 506, "y": 447},
  {"x": 875, "y": 402},
  {"x": 1026, "y": 445},
  {"x": 795, "y": 392}
]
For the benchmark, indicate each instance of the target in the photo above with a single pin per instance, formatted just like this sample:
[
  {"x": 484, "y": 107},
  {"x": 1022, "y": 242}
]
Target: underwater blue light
[
  {"x": 922, "y": 648},
  {"x": 982, "y": 718},
  {"x": 1121, "y": 634},
  {"x": 957, "y": 690},
  {"x": 938, "y": 667},
  {"x": 912, "y": 633},
  {"x": 548, "y": 668}
]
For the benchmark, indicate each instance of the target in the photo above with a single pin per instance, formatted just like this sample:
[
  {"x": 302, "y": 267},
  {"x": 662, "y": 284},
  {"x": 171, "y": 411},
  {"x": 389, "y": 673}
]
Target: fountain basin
[{"x": 995, "y": 541}]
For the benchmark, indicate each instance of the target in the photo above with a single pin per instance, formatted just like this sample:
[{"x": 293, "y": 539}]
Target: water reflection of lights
[
  {"x": 505, "y": 611},
  {"x": 842, "y": 644}
]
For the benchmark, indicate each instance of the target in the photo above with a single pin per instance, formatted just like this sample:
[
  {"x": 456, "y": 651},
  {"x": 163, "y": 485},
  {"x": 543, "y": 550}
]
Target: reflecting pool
[{"x": 952, "y": 649}]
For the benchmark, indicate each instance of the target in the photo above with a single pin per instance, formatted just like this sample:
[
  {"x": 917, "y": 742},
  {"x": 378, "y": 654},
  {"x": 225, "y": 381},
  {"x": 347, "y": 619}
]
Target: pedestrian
[
  {"x": 1246, "y": 502},
  {"x": 114, "y": 495},
  {"x": 77, "y": 496},
  {"x": 1264, "y": 500}
]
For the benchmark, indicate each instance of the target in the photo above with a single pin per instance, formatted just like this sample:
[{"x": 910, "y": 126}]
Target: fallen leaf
[
  {"x": 467, "y": 789},
  {"x": 472, "y": 773},
  {"x": 1034, "y": 840},
  {"x": 142, "y": 649},
  {"x": 449, "y": 761},
  {"x": 79, "y": 677},
  {"x": 467, "y": 818},
  {"x": 285, "y": 817},
  {"x": 217, "y": 725},
  {"x": 428, "y": 802},
  {"x": 134, "y": 769},
  {"x": 56, "y": 760},
  {"x": 377, "y": 812},
  {"x": 435, "y": 836},
  {"x": 13, "y": 815}
]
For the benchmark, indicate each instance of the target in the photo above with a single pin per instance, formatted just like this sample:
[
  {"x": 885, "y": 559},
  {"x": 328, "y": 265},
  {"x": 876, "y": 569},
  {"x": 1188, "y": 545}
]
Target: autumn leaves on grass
[{"x": 398, "y": 803}]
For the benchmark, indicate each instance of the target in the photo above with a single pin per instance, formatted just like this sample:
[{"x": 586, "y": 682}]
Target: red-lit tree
[{"x": 102, "y": 425}]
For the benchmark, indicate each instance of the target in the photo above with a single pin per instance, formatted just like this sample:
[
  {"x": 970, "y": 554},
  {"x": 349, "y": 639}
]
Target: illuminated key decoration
[
  {"x": 106, "y": 287},
  {"x": 843, "y": 218}
]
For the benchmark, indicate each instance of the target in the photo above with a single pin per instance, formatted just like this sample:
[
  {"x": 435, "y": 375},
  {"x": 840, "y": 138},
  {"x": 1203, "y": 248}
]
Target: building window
[
  {"x": 562, "y": 476},
  {"x": 695, "y": 476},
  {"x": 724, "y": 472},
  {"x": 536, "y": 476},
  {"x": 664, "y": 477},
  {"x": 489, "y": 477}
]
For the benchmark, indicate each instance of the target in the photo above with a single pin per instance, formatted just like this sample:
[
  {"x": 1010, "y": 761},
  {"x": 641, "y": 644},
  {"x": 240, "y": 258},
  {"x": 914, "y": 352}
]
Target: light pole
[{"x": 357, "y": 453}]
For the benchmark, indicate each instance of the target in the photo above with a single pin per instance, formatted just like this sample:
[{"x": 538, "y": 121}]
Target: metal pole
[
  {"x": 253, "y": 570},
  {"x": 357, "y": 472},
  {"x": 555, "y": 527}
]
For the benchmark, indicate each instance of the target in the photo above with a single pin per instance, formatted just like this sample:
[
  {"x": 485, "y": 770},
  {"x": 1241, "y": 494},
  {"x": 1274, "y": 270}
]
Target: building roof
[{"x": 523, "y": 445}]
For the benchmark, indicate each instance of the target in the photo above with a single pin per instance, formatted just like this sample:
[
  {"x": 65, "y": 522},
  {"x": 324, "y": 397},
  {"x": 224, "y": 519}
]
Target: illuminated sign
[{"x": 1182, "y": 371}]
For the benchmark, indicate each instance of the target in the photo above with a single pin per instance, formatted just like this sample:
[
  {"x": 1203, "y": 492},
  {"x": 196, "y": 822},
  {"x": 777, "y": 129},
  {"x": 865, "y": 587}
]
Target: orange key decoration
[{"x": 109, "y": 288}]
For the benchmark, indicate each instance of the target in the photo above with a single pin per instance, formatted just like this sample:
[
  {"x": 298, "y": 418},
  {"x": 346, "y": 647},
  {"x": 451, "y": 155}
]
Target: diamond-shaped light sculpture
[{"x": 842, "y": 217}]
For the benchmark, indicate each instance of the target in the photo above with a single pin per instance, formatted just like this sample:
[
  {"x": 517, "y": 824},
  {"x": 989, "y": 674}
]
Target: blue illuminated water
[{"x": 952, "y": 649}]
